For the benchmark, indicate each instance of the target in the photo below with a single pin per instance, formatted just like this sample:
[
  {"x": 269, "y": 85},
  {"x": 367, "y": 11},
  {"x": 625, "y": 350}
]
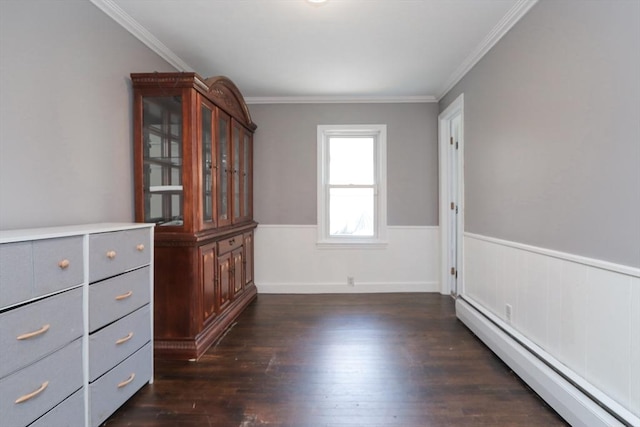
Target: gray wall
[
  {"x": 552, "y": 131},
  {"x": 285, "y": 159},
  {"x": 65, "y": 113}
]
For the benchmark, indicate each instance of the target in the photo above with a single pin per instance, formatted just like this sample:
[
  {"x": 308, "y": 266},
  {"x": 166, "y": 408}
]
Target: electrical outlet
[
  {"x": 351, "y": 281},
  {"x": 508, "y": 311}
]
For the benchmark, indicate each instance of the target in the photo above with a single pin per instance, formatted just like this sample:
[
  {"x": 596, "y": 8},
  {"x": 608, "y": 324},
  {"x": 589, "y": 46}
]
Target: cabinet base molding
[{"x": 193, "y": 349}]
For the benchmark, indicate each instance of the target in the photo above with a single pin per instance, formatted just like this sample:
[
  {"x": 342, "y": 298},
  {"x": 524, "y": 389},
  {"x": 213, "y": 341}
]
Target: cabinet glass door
[
  {"x": 237, "y": 157},
  {"x": 247, "y": 180},
  {"x": 207, "y": 165},
  {"x": 224, "y": 168},
  {"x": 162, "y": 176}
]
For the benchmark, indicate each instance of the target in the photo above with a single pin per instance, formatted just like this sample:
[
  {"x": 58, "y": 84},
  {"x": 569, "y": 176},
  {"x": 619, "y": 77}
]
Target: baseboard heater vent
[{"x": 575, "y": 404}]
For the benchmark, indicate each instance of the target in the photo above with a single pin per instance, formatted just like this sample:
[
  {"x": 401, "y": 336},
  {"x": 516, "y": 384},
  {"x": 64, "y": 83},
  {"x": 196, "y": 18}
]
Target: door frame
[{"x": 446, "y": 172}]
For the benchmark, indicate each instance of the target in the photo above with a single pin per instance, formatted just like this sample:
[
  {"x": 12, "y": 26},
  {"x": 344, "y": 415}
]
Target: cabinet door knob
[
  {"x": 124, "y": 339},
  {"x": 140, "y": 247},
  {"x": 124, "y": 296},
  {"x": 64, "y": 264},
  {"x": 127, "y": 381},
  {"x": 33, "y": 393},
  {"x": 111, "y": 254},
  {"x": 28, "y": 335}
]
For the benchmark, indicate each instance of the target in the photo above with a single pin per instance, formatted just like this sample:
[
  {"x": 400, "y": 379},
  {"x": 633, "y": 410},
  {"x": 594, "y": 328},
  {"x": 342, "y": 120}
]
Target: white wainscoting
[
  {"x": 581, "y": 315},
  {"x": 288, "y": 261}
]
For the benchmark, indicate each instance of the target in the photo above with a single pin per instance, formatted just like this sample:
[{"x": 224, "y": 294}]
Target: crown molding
[
  {"x": 506, "y": 23},
  {"x": 339, "y": 99},
  {"x": 141, "y": 33}
]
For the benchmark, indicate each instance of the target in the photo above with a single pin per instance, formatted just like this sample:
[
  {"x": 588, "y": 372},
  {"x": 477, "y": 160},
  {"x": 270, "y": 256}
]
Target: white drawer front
[
  {"x": 114, "y": 298},
  {"x": 69, "y": 413},
  {"x": 57, "y": 264},
  {"x": 42, "y": 326},
  {"x": 16, "y": 273},
  {"x": 118, "y": 385},
  {"x": 116, "y": 342},
  {"x": 116, "y": 252},
  {"x": 42, "y": 385}
]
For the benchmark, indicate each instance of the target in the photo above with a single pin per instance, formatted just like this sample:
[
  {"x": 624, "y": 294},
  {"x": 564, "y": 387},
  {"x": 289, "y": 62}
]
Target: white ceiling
[{"x": 349, "y": 50}]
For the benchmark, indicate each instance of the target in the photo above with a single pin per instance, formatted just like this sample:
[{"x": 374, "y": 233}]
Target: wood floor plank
[{"x": 341, "y": 361}]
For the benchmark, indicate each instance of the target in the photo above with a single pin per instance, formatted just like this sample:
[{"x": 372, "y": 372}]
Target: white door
[
  {"x": 451, "y": 131},
  {"x": 454, "y": 204}
]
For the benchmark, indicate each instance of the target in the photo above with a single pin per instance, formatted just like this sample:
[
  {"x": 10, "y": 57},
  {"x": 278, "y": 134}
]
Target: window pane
[
  {"x": 351, "y": 160},
  {"x": 351, "y": 212}
]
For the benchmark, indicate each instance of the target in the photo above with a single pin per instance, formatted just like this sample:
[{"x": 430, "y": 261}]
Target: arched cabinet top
[{"x": 220, "y": 90}]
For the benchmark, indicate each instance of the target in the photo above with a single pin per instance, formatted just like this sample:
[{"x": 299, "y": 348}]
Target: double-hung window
[{"x": 352, "y": 185}]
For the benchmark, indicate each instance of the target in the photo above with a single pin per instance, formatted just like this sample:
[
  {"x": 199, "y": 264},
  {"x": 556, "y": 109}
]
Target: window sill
[{"x": 352, "y": 244}]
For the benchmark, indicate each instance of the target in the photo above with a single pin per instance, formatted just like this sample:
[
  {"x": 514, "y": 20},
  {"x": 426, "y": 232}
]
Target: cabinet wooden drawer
[
  {"x": 34, "y": 330},
  {"x": 69, "y": 413},
  {"x": 116, "y": 342},
  {"x": 230, "y": 244},
  {"x": 27, "y": 394},
  {"x": 111, "y": 390},
  {"x": 57, "y": 264},
  {"x": 116, "y": 252},
  {"x": 16, "y": 273},
  {"x": 114, "y": 298}
]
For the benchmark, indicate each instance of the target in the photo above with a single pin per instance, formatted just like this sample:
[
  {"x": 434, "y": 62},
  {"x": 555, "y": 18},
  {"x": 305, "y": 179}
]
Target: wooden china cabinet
[{"x": 193, "y": 179}]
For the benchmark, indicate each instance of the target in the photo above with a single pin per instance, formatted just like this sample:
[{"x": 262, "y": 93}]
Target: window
[{"x": 352, "y": 185}]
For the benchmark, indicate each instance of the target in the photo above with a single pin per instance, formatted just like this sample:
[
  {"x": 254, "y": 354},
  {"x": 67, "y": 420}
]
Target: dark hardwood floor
[{"x": 340, "y": 360}]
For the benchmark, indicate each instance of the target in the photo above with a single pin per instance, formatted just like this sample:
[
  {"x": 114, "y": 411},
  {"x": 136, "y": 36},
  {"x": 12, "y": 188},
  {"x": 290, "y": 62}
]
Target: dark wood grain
[{"x": 340, "y": 360}]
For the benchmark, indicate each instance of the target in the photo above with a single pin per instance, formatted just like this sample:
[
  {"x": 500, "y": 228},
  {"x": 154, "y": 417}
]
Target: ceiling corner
[
  {"x": 506, "y": 23},
  {"x": 116, "y": 13}
]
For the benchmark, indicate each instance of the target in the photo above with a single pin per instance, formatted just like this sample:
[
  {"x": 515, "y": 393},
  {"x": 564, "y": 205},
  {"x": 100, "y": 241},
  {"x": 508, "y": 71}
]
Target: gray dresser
[{"x": 76, "y": 322}]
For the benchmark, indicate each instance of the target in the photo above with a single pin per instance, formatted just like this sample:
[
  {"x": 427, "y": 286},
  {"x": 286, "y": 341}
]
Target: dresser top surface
[{"x": 26, "y": 234}]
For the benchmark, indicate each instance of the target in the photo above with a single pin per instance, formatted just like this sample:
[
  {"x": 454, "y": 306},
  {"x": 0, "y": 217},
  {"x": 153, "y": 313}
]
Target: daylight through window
[{"x": 351, "y": 184}]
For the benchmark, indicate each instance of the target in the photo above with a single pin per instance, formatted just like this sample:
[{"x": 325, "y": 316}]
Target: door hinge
[
  {"x": 454, "y": 272},
  {"x": 456, "y": 145},
  {"x": 453, "y": 206},
  {"x": 451, "y": 140}
]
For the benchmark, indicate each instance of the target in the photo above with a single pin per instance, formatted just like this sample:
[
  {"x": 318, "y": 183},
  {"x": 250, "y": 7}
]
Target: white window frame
[{"x": 379, "y": 239}]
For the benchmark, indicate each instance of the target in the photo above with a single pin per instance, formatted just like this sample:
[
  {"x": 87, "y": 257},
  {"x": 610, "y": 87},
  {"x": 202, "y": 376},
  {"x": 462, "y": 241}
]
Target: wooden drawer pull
[
  {"x": 125, "y": 339},
  {"x": 28, "y": 335},
  {"x": 127, "y": 381},
  {"x": 124, "y": 296},
  {"x": 33, "y": 393},
  {"x": 111, "y": 254},
  {"x": 140, "y": 247},
  {"x": 64, "y": 264}
]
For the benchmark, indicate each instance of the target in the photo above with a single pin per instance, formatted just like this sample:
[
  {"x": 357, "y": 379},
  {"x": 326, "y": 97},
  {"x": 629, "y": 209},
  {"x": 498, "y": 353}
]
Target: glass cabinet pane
[
  {"x": 223, "y": 168},
  {"x": 236, "y": 172},
  {"x": 162, "y": 133},
  {"x": 246, "y": 183},
  {"x": 207, "y": 165}
]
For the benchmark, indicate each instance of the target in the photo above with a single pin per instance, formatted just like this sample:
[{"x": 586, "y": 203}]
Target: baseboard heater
[{"x": 553, "y": 382}]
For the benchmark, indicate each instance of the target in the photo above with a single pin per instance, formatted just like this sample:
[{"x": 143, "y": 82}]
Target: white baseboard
[
  {"x": 340, "y": 288},
  {"x": 566, "y": 399}
]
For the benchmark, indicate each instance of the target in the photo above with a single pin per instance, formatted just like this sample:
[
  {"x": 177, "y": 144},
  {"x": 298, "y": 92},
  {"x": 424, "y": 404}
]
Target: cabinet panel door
[
  {"x": 208, "y": 266},
  {"x": 224, "y": 280},
  {"x": 248, "y": 258},
  {"x": 238, "y": 267}
]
